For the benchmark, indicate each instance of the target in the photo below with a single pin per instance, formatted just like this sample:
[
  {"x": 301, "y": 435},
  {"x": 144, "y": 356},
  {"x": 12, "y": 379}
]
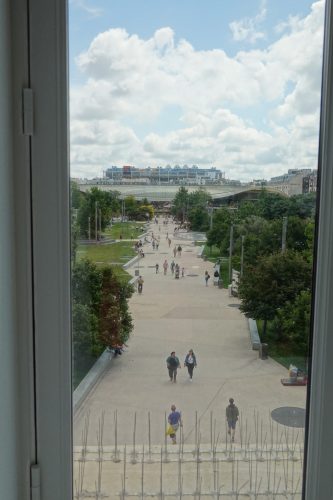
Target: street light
[
  {"x": 242, "y": 256},
  {"x": 230, "y": 249},
  {"x": 284, "y": 234}
]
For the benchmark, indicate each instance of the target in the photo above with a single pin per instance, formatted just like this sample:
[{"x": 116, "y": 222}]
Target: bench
[{"x": 200, "y": 251}]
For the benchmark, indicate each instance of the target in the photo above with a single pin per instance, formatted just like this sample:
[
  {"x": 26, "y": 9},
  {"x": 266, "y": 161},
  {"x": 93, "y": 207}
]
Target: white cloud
[
  {"x": 91, "y": 11},
  {"x": 132, "y": 82},
  {"x": 246, "y": 29}
]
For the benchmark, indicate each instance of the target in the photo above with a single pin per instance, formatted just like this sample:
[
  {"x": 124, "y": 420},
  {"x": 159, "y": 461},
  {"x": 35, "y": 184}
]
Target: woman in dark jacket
[{"x": 190, "y": 362}]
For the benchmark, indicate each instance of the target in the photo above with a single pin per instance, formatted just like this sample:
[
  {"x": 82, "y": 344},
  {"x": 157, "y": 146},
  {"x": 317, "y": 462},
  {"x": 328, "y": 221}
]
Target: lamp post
[
  {"x": 242, "y": 256},
  {"x": 96, "y": 221},
  {"x": 284, "y": 234},
  {"x": 230, "y": 249}
]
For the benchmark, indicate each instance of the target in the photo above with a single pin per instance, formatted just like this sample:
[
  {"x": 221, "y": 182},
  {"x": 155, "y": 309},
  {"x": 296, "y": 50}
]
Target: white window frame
[
  {"x": 319, "y": 476},
  {"x": 41, "y": 202}
]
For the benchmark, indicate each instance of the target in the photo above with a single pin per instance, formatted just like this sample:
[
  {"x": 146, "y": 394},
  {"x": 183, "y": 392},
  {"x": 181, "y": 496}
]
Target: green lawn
[
  {"x": 115, "y": 254},
  {"x": 212, "y": 253},
  {"x": 126, "y": 229},
  {"x": 107, "y": 254}
]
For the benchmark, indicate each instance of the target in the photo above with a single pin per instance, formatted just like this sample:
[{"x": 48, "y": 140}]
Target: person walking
[
  {"x": 190, "y": 362},
  {"x": 169, "y": 242},
  {"x": 232, "y": 415},
  {"x": 140, "y": 284},
  {"x": 157, "y": 268},
  {"x": 206, "y": 277},
  {"x": 165, "y": 266},
  {"x": 179, "y": 251},
  {"x": 172, "y": 267},
  {"x": 175, "y": 251},
  {"x": 172, "y": 365},
  {"x": 183, "y": 272},
  {"x": 174, "y": 421}
]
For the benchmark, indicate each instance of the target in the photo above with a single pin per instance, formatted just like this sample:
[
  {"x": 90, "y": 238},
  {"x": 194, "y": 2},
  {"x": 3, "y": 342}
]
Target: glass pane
[{"x": 194, "y": 144}]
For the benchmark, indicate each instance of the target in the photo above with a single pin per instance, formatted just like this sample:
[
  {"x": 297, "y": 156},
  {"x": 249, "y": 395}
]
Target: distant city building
[
  {"x": 232, "y": 182},
  {"x": 259, "y": 182},
  {"x": 296, "y": 181},
  {"x": 310, "y": 182},
  {"x": 179, "y": 175}
]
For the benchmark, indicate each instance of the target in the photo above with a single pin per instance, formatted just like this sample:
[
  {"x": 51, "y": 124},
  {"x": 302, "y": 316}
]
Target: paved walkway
[{"x": 178, "y": 315}]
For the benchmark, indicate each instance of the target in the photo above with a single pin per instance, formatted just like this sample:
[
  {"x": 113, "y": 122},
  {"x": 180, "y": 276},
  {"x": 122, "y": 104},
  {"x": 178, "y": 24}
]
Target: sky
[{"x": 233, "y": 84}]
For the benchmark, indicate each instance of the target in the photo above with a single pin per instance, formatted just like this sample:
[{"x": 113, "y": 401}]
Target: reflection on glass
[{"x": 194, "y": 139}]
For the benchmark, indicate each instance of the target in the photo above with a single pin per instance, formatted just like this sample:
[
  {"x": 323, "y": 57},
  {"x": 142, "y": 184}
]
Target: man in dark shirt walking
[
  {"x": 232, "y": 414},
  {"x": 173, "y": 364}
]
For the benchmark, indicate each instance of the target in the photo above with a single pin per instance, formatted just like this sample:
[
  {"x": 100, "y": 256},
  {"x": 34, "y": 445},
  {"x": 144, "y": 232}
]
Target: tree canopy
[
  {"x": 276, "y": 280},
  {"x": 107, "y": 204},
  {"x": 101, "y": 317}
]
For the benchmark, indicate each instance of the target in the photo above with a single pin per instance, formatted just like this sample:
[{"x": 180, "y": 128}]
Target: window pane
[{"x": 194, "y": 144}]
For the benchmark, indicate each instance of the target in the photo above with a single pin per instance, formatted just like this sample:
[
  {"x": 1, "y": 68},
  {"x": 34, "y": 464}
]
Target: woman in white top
[{"x": 190, "y": 362}]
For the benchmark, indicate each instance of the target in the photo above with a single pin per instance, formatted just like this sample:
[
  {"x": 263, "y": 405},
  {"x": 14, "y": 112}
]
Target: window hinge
[
  {"x": 28, "y": 112},
  {"x": 35, "y": 481}
]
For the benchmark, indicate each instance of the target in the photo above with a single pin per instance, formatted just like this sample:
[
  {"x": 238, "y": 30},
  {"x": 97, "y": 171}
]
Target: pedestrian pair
[{"x": 173, "y": 364}]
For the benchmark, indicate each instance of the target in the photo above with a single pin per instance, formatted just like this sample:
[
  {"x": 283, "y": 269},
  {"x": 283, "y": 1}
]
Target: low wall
[
  {"x": 133, "y": 281},
  {"x": 131, "y": 262},
  {"x": 254, "y": 335},
  {"x": 200, "y": 251},
  {"x": 90, "y": 380}
]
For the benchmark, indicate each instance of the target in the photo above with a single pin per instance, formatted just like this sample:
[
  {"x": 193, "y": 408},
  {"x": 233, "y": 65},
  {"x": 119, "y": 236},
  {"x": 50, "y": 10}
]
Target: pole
[
  {"x": 284, "y": 234},
  {"x": 100, "y": 223},
  {"x": 96, "y": 222},
  {"x": 242, "y": 257},
  {"x": 230, "y": 249},
  {"x": 89, "y": 228}
]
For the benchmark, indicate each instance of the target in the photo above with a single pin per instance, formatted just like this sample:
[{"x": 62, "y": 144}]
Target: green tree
[
  {"x": 276, "y": 279},
  {"x": 220, "y": 232},
  {"x": 199, "y": 198},
  {"x": 131, "y": 207},
  {"x": 303, "y": 205},
  {"x": 143, "y": 210},
  {"x": 199, "y": 219},
  {"x": 107, "y": 205},
  {"x": 86, "y": 284},
  {"x": 272, "y": 206},
  {"x": 115, "y": 320},
  {"x": 85, "y": 335},
  {"x": 180, "y": 204},
  {"x": 296, "y": 237},
  {"x": 101, "y": 315},
  {"x": 293, "y": 321},
  {"x": 262, "y": 237}
]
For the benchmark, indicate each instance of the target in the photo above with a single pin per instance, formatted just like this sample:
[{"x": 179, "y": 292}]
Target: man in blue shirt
[{"x": 174, "y": 420}]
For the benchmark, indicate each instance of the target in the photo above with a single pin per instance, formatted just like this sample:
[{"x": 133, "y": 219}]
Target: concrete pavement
[{"x": 178, "y": 315}]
